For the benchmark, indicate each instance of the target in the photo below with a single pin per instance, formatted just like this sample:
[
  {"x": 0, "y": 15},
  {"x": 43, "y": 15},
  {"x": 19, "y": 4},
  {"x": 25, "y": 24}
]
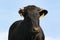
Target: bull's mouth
[{"x": 36, "y": 29}]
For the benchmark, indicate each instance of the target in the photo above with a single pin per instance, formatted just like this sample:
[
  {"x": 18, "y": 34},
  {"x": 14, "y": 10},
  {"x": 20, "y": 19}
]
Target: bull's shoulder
[{"x": 15, "y": 24}]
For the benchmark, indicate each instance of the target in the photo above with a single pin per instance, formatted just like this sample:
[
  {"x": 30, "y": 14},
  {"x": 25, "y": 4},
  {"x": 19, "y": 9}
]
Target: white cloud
[
  {"x": 52, "y": 38},
  {"x": 4, "y": 36}
]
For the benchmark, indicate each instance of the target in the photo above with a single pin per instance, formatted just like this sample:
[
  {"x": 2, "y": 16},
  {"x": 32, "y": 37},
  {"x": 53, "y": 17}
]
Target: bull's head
[
  {"x": 34, "y": 13},
  {"x": 32, "y": 10}
]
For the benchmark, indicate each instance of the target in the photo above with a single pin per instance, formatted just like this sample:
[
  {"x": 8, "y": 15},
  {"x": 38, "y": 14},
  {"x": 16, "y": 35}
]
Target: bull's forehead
[{"x": 32, "y": 7}]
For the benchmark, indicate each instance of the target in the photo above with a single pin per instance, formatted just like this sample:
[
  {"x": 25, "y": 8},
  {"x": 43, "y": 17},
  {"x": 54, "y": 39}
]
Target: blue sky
[{"x": 50, "y": 23}]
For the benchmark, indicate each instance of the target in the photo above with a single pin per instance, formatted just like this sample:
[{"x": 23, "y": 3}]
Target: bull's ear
[
  {"x": 43, "y": 13},
  {"x": 21, "y": 11},
  {"x": 42, "y": 16}
]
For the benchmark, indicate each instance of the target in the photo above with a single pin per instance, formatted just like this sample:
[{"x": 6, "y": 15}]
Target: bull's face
[{"x": 32, "y": 12}]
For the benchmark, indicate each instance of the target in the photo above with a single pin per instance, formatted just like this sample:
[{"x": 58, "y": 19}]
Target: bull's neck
[{"x": 32, "y": 22}]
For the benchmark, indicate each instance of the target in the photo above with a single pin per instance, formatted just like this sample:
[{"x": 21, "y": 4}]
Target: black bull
[{"x": 28, "y": 29}]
